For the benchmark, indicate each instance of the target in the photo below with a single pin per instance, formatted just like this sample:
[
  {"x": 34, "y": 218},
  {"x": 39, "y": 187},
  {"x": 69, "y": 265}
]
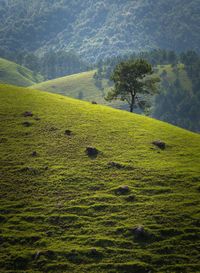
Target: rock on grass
[
  {"x": 160, "y": 144},
  {"x": 26, "y": 124},
  {"x": 68, "y": 132},
  {"x": 92, "y": 152},
  {"x": 27, "y": 114},
  {"x": 122, "y": 190},
  {"x": 115, "y": 165}
]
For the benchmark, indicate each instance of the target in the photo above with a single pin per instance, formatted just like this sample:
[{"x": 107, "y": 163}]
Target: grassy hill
[
  {"x": 84, "y": 82},
  {"x": 12, "y": 73},
  {"x": 81, "y": 85},
  {"x": 133, "y": 208},
  {"x": 72, "y": 86}
]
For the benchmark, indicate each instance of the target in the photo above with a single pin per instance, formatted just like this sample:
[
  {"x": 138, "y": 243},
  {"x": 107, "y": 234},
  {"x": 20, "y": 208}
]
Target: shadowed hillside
[
  {"x": 12, "y": 73},
  {"x": 123, "y": 206}
]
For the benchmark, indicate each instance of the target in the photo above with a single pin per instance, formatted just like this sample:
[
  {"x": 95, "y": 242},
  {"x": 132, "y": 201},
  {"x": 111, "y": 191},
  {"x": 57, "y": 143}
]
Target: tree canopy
[{"x": 132, "y": 82}]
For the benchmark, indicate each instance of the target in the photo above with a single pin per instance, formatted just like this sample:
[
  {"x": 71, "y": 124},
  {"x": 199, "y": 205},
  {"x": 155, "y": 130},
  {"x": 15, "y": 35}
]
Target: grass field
[
  {"x": 72, "y": 85},
  {"x": 133, "y": 208},
  {"x": 12, "y": 73}
]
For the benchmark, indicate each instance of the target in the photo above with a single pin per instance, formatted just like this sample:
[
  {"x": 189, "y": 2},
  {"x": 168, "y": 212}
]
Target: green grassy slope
[
  {"x": 74, "y": 84},
  {"x": 12, "y": 73},
  {"x": 62, "y": 211},
  {"x": 84, "y": 82}
]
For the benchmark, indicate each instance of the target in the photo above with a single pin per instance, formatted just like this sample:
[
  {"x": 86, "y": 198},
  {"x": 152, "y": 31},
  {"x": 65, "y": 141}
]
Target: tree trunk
[
  {"x": 132, "y": 103},
  {"x": 131, "y": 108}
]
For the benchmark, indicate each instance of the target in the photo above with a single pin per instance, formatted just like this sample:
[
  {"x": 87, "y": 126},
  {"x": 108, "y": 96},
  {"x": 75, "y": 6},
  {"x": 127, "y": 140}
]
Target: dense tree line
[
  {"x": 51, "y": 65},
  {"x": 55, "y": 64},
  {"x": 154, "y": 57}
]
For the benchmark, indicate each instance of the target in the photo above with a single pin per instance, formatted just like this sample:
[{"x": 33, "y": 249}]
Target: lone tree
[{"x": 133, "y": 81}]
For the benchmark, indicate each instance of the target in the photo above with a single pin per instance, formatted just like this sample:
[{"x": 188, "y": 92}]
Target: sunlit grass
[{"x": 61, "y": 211}]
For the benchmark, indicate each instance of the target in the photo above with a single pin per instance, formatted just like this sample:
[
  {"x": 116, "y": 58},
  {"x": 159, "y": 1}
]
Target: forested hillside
[{"x": 97, "y": 29}]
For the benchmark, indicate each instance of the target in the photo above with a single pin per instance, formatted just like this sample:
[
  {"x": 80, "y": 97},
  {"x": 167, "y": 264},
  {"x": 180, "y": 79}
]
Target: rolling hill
[
  {"x": 12, "y": 73},
  {"x": 72, "y": 86},
  {"x": 132, "y": 208},
  {"x": 83, "y": 86},
  {"x": 99, "y": 29}
]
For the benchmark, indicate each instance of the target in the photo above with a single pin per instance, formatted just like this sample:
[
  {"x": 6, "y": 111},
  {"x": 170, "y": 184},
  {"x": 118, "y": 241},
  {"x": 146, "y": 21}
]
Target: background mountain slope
[
  {"x": 12, "y": 73},
  {"x": 62, "y": 211},
  {"x": 96, "y": 29}
]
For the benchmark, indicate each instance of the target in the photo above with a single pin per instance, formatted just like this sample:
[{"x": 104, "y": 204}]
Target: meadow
[{"x": 132, "y": 207}]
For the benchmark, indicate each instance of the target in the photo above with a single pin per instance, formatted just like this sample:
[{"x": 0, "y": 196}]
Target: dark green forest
[
  {"x": 178, "y": 105},
  {"x": 52, "y": 64},
  {"x": 98, "y": 29}
]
